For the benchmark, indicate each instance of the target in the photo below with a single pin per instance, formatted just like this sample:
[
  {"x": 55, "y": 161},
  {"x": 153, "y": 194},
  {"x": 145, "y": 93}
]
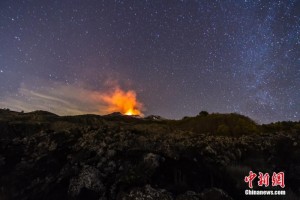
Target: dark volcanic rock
[
  {"x": 214, "y": 194},
  {"x": 147, "y": 193},
  {"x": 87, "y": 183},
  {"x": 45, "y": 156}
]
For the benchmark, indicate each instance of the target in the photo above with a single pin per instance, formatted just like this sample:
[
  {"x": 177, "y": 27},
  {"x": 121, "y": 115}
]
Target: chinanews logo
[{"x": 263, "y": 180}]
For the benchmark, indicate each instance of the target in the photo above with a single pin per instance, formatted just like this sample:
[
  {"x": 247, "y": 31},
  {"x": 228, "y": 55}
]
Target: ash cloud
[{"x": 65, "y": 99}]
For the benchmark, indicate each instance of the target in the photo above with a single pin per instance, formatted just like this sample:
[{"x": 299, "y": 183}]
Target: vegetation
[
  {"x": 218, "y": 124},
  {"x": 45, "y": 156},
  {"x": 282, "y": 126},
  {"x": 232, "y": 124}
]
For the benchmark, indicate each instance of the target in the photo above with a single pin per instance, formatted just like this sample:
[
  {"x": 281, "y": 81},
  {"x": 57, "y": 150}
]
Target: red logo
[{"x": 263, "y": 179}]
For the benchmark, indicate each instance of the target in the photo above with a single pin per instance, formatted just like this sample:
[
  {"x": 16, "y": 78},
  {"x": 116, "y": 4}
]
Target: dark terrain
[{"x": 45, "y": 156}]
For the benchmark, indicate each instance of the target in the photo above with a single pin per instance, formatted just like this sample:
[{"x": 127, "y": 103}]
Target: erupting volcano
[{"x": 124, "y": 102}]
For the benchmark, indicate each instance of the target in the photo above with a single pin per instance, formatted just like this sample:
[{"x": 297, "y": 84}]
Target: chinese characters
[{"x": 263, "y": 179}]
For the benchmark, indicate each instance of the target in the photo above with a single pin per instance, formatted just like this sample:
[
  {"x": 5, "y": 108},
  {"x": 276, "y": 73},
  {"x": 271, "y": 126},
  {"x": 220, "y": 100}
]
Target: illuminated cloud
[
  {"x": 118, "y": 100},
  {"x": 72, "y": 100}
]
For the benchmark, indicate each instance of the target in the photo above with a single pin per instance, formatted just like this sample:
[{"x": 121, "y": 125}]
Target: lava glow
[{"x": 124, "y": 102}]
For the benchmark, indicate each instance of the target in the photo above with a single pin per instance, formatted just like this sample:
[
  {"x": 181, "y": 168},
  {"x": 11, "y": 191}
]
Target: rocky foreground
[{"x": 44, "y": 156}]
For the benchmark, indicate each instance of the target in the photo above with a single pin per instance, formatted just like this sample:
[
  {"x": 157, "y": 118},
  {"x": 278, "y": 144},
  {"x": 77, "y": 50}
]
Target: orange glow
[
  {"x": 121, "y": 101},
  {"x": 129, "y": 112}
]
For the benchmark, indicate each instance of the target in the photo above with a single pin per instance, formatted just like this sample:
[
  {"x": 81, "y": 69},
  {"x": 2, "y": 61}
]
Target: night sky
[{"x": 179, "y": 57}]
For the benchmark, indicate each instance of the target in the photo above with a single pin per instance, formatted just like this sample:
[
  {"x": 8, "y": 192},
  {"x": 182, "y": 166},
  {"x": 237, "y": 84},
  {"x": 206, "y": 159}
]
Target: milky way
[{"x": 180, "y": 57}]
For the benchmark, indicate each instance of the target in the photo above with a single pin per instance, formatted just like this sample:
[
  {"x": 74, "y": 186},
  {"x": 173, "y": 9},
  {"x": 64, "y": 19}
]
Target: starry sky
[{"x": 179, "y": 57}]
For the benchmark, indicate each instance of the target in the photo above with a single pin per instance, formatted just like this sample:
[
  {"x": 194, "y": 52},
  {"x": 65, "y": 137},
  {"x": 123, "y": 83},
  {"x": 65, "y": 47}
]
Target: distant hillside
[
  {"x": 215, "y": 124},
  {"x": 220, "y": 124}
]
